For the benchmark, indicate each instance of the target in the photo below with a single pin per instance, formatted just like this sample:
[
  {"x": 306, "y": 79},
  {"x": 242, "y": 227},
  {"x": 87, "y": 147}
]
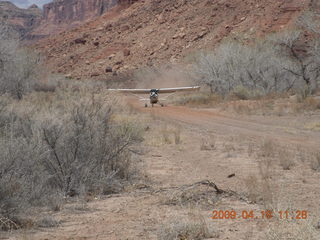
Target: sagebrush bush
[{"x": 65, "y": 146}]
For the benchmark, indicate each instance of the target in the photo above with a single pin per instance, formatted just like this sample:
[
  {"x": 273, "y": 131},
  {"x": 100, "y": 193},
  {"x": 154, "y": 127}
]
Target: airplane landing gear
[
  {"x": 161, "y": 104},
  {"x": 145, "y": 105}
]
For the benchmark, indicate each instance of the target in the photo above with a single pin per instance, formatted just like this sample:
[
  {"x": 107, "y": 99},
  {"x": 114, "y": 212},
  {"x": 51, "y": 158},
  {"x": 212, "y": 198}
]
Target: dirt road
[{"x": 285, "y": 130}]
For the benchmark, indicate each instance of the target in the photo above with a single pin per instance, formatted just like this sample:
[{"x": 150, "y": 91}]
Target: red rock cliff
[{"x": 68, "y": 11}]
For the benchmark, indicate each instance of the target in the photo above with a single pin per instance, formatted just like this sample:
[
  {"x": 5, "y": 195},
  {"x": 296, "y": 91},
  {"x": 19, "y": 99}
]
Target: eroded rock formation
[{"x": 22, "y": 20}]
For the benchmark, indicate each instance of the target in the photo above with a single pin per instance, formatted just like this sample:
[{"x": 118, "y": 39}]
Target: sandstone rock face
[
  {"x": 57, "y": 16},
  {"x": 60, "y": 15},
  {"x": 68, "y": 11},
  {"x": 22, "y": 20}
]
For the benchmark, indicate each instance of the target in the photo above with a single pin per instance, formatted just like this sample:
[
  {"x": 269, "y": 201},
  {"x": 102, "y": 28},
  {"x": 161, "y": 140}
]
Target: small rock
[
  {"x": 138, "y": 27},
  {"x": 115, "y": 68},
  {"x": 119, "y": 62},
  {"x": 108, "y": 27},
  {"x": 108, "y": 69},
  {"x": 95, "y": 74},
  {"x": 126, "y": 52},
  {"x": 111, "y": 56},
  {"x": 80, "y": 41},
  {"x": 69, "y": 76},
  {"x": 125, "y": 28},
  {"x": 232, "y": 175}
]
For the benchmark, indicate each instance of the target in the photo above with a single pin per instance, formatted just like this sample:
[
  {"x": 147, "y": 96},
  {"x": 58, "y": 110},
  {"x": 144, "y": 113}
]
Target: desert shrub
[
  {"x": 286, "y": 160},
  {"x": 68, "y": 146},
  {"x": 18, "y": 66},
  {"x": 242, "y": 93},
  {"x": 234, "y": 65},
  {"x": 252, "y": 185},
  {"x": 279, "y": 63},
  {"x": 47, "y": 222},
  {"x": 193, "y": 228}
]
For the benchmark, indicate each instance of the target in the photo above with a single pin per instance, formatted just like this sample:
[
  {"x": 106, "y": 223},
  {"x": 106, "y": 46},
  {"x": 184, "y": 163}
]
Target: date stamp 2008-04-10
[{"x": 264, "y": 214}]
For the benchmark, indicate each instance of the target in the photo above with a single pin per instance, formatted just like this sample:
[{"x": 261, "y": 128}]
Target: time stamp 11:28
[{"x": 264, "y": 214}]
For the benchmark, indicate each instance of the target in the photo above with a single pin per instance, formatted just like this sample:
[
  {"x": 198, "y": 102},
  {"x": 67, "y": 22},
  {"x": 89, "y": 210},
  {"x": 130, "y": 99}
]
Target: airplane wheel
[
  {"x": 162, "y": 105},
  {"x": 145, "y": 105}
]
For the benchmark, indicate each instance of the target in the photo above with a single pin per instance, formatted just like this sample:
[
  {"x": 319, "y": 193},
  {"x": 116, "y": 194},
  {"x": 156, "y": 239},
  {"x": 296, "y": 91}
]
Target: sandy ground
[{"x": 212, "y": 145}]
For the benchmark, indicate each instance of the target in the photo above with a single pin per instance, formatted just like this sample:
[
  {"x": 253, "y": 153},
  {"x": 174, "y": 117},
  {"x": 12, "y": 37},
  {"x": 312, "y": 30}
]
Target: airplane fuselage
[{"x": 154, "y": 96}]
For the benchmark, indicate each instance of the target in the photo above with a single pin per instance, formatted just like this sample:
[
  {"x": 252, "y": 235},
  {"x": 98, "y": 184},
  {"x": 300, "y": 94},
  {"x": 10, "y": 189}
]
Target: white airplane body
[{"x": 154, "y": 93}]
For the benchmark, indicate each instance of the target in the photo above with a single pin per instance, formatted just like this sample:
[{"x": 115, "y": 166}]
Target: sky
[{"x": 28, "y": 3}]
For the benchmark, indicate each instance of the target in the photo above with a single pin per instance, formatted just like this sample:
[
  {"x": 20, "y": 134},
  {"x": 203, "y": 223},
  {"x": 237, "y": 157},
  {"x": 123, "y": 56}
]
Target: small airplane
[{"x": 154, "y": 93}]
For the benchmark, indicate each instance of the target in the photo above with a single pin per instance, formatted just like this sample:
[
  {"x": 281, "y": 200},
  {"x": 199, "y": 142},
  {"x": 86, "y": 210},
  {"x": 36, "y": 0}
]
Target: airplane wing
[
  {"x": 160, "y": 90},
  {"x": 181, "y": 89},
  {"x": 134, "y": 91}
]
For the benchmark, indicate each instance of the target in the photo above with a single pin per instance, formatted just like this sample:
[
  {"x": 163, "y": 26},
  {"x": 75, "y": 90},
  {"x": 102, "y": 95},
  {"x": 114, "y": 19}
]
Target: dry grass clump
[
  {"x": 165, "y": 133},
  {"x": 196, "y": 99},
  {"x": 47, "y": 222},
  {"x": 243, "y": 93},
  {"x": 286, "y": 229},
  {"x": 261, "y": 191},
  {"x": 192, "y": 228},
  {"x": 58, "y": 147},
  {"x": 286, "y": 160},
  {"x": 270, "y": 151},
  {"x": 177, "y": 135},
  {"x": 252, "y": 185},
  {"x": 315, "y": 162},
  {"x": 208, "y": 144},
  {"x": 310, "y": 103},
  {"x": 267, "y": 149},
  {"x": 315, "y": 126},
  {"x": 171, "y": 134}
]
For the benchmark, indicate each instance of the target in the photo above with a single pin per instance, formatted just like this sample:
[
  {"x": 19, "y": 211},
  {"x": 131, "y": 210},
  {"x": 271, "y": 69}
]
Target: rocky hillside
[
  {"x": 22, "y": 20},
  {"x": 159, "y": 31}
]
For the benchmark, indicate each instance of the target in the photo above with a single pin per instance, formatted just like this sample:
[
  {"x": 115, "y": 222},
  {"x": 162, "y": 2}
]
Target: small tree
[
  {"x": 233, "y": 64},
  {"x": 18, "y": 67}
]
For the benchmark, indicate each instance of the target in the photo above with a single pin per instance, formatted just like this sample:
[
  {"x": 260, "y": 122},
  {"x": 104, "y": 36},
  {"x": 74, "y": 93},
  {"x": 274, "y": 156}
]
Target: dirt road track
[{"x": 269, "y": 128}]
